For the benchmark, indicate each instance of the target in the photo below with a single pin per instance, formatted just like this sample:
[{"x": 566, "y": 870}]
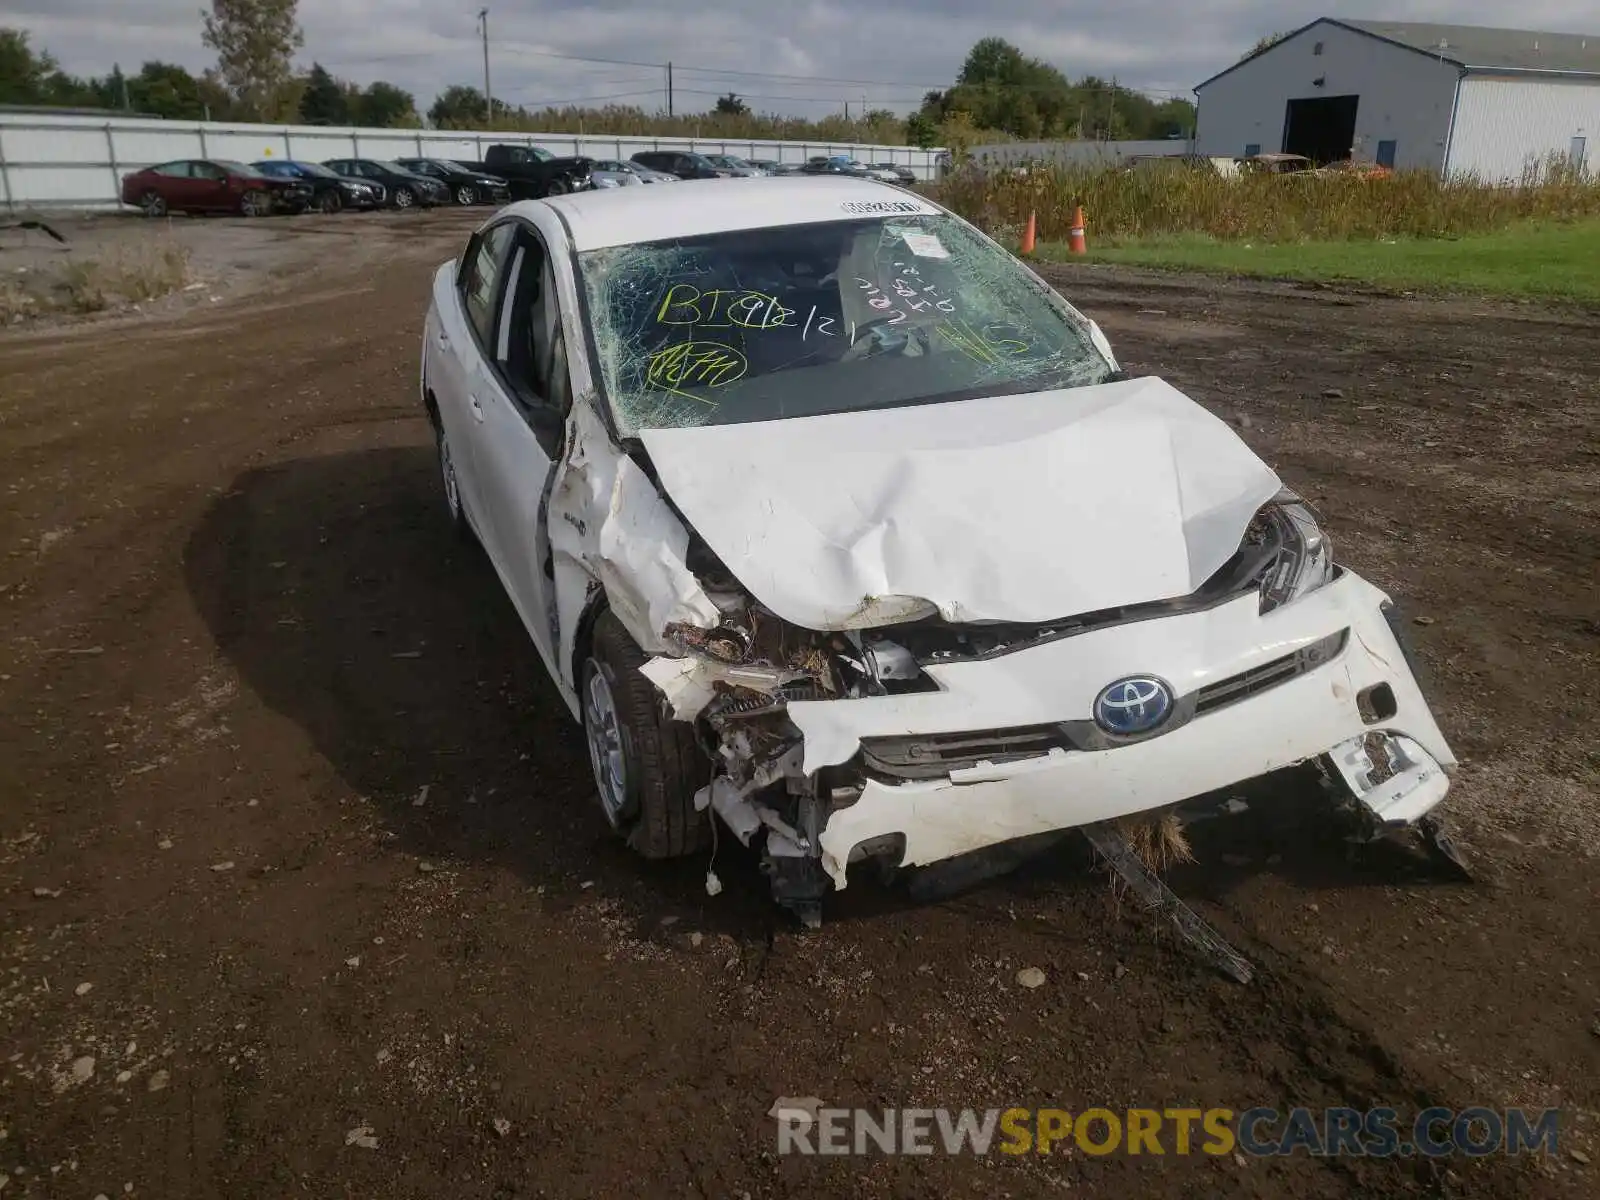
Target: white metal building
[{"x": 1451, "y": 98}]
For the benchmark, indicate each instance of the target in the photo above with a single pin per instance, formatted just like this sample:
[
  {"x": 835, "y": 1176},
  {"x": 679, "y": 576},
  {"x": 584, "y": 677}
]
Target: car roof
[{"x": 624, "y": 216}]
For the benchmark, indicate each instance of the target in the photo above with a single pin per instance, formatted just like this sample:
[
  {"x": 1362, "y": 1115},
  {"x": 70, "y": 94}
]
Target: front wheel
[
  {"x": 557, "y": 187},
  {"x": 647, "y": 767},
  {"x": 255, "y": 203},
  {"x": 152, "y": 204},
  {"x": 331, "y": 202},
  {"x": 459, "y": 524},
  {"x": 466, "y": 196},
  {"x": 404, "y": 197}
]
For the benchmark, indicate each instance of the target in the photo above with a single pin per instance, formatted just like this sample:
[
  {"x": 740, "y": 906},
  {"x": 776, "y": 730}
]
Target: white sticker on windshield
[{"x": 924, "y": 245}]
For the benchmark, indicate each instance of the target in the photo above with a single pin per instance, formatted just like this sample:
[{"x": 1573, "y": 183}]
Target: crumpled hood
[{"x": 1024, "y": 508}]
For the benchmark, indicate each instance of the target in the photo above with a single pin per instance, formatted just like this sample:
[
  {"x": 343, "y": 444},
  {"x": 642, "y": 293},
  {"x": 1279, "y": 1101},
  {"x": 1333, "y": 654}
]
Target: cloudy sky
[{"x": 804, "y": 57}]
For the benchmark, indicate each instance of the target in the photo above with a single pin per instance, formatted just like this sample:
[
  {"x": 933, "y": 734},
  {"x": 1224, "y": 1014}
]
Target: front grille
[
  {"x": 929, "y": 756},
  {"x": 1251, "y": 683},
  {"x": 1268, "y": 675}
]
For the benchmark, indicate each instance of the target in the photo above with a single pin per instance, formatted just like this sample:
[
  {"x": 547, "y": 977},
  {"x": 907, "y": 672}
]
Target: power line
[
  {"x": 799, "y": 99},
  {"x": 655, "y": 91},
  {"x": 816, "y": 80}
]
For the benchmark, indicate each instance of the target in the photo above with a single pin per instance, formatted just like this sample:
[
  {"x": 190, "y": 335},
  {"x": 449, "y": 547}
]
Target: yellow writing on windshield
[
  {"x": 695, "y": 364},
  {"x": 721, "y": 308},
  {"x": 982, "y": 345}
]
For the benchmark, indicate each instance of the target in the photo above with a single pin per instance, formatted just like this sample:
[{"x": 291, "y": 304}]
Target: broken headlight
[{"x": 1303, "y": 558}]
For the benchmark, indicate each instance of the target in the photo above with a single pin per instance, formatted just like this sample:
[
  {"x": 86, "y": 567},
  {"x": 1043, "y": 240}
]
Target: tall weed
[{"x": 1127, "y": 204}]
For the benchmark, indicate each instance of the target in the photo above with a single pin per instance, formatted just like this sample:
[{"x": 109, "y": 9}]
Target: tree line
[
  {"x": 1000, "y": 88},
  {"x": 161, "y": 89},
  {"x": 1000, "y": 94}
]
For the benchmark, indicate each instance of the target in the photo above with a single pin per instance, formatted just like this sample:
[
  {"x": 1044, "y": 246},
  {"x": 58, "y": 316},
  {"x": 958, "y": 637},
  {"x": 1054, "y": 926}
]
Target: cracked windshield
[{"x": 804, "y": 319}]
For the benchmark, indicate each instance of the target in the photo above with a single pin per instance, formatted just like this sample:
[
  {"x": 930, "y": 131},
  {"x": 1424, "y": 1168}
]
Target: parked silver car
[
  {"x": 734, "y": 165},
  {"x": 639, "y": 174}
]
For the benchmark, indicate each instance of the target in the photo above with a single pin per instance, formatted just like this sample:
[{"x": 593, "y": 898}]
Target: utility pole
[
  {"x": 669, "y": 89},
  {"x": 488, "y": 96}
]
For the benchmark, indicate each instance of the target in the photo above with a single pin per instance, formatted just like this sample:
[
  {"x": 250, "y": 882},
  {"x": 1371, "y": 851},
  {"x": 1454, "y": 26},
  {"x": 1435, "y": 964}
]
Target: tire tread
[{"x": 671, "y": 765}]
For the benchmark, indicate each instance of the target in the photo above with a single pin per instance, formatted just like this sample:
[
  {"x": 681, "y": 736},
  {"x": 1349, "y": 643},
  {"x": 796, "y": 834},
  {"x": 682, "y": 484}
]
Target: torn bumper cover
[{"x": 1008, "y": 746}]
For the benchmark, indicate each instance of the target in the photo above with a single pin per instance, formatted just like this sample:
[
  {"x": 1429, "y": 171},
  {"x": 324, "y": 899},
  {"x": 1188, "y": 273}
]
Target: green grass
[{"x": 1527, "y": 261}]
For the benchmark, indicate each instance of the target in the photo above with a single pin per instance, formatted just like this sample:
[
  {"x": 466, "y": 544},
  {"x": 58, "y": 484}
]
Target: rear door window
[{"x": 480, "y": 283}]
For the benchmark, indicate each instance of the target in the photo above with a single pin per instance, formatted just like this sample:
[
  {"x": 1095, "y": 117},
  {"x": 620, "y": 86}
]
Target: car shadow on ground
[{"x": 336, "y": 588}]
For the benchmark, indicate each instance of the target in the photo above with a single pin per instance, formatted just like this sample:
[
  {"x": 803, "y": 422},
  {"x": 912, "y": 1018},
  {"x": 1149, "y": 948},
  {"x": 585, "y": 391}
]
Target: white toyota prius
[{"x": 833, "y": 522}]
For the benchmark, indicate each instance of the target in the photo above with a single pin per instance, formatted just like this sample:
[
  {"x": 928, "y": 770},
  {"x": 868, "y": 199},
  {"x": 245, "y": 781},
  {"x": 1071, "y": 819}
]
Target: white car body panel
[
  {"x": 446, "y": 369},
  {"x": 615, "y": 217},
  {"x": 610, "y": 529},
  {"x": 1293, "y": 722},
  {"x": 1027, "y": 508},
  {"x": 908, "y": 504}
]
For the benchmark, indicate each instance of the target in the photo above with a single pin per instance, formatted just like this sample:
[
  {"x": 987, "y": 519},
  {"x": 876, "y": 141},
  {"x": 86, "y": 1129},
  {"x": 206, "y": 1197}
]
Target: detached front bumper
[{"x": 1318, "y": 677}]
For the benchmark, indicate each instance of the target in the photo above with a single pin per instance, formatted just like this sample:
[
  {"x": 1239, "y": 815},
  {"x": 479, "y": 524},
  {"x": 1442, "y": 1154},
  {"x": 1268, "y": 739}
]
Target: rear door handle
[{"x": 444, "y": 340}]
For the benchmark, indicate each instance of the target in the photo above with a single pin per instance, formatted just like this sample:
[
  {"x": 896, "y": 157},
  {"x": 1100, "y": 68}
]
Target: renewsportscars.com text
[{"x": 1261, "y": 1132}]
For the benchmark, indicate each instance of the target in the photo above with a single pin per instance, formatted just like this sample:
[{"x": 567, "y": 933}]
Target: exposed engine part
[
  {"x": 939, "y": 641},
  {"x": 872, "y": 665},
  {"x": 733, "y": 702},
  {"x": 726, "y": 643},
  {"x": 889, "y": 661}
]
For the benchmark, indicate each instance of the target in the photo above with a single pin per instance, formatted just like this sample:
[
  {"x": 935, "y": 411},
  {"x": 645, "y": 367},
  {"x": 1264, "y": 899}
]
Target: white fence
[{"x": 78, "y": 161}]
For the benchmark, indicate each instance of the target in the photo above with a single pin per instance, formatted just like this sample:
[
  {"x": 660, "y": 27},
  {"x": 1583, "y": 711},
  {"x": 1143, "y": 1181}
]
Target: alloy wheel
[
  {"x": 603, "y": 730},
  {"x": 447, "y": 468},
  {"x": 465, "y": 195},
  {"x": 403, "y": 198}
]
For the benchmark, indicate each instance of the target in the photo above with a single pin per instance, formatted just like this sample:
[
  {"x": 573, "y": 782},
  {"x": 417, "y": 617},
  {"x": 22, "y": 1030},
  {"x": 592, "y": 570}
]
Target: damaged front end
[
  {"x": 874, "y": 667},
  {"x": 920, "y": 742},
  {"x": 736, "y": 681}
]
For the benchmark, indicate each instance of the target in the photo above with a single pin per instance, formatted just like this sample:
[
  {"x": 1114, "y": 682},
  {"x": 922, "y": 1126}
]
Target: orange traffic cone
[
  {"x": 1029, "y": 234},
  {"x": 1076, "y": 243}
]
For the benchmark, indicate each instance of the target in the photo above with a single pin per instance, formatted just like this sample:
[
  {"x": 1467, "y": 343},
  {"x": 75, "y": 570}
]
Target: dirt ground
[
  {"x": 193, "y": 262},
  {"x": 295, "y": 839}
]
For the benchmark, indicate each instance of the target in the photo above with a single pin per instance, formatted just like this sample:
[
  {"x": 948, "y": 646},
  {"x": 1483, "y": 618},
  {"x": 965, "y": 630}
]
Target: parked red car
[{"x": 212, "y": 185}]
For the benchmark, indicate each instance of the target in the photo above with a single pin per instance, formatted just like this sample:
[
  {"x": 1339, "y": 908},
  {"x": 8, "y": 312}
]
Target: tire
[
  {"x": 331, "y": 202},
  {"x": 404, "y": 197},
  {"x": 153, "y": 204},
  {"x": 255, "y": 203},
  {"x": 557, "y": 187},
  {"x": 465, "y": 196},
  {"x": 647, "y": 767},
  {"x": 459, "y": 523}
]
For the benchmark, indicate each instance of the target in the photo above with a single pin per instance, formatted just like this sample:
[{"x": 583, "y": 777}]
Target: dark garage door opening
[{"x": 1323, "y": 129}]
